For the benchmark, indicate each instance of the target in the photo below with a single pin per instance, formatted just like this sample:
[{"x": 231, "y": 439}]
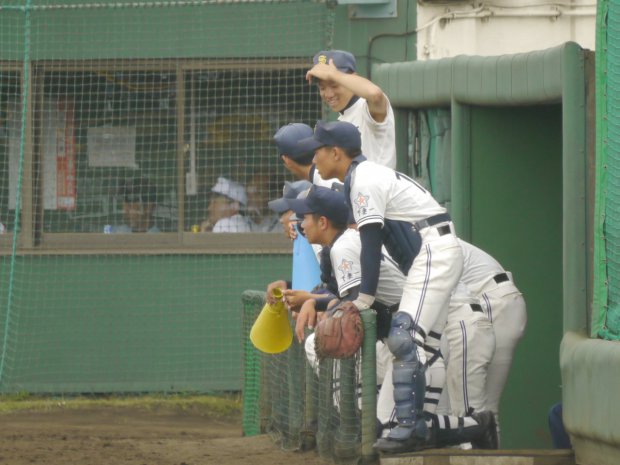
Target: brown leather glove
[{"x": 341, "y": 334}]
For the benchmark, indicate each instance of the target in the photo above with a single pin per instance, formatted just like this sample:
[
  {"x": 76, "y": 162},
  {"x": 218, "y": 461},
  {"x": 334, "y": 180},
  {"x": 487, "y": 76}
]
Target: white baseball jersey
[
  {"x": 233, "y": 224},
  {"x": 317, "y": 180},
  {"x": 345, "y": 257},
  {"x": 378, "y": 139},
  {"x": 478, "y": 267},
  {"x": 378, "y": 193}
]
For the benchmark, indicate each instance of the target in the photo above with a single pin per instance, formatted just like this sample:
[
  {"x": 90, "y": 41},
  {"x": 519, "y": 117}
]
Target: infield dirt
[{"x": 130, "y": 436}]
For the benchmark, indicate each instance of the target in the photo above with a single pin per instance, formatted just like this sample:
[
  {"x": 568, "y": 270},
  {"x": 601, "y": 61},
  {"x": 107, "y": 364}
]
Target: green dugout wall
[{"x": 517, "y": 145}]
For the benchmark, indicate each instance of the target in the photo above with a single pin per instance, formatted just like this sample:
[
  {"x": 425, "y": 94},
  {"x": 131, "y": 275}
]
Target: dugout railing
[{"x": 331, "y": 409}]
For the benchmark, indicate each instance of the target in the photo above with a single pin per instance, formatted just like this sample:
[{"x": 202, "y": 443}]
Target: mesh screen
[
  {"x": 136, "y": 163},
  {"x": 608, "y": 173},
  {"x": 330, "y": 407}
]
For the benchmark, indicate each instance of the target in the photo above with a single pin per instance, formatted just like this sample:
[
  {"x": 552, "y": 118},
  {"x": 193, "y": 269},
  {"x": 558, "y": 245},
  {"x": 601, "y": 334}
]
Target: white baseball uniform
[
  {"x": 378, "y": 139},
  {"x": 345, "y": 259},
  {"x": 505, "y": 308},
  {"x": 379, "y": 193}
]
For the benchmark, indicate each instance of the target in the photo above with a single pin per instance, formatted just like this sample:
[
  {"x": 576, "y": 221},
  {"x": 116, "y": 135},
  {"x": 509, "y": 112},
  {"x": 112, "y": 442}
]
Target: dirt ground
[{"x": 115, "y": 436}]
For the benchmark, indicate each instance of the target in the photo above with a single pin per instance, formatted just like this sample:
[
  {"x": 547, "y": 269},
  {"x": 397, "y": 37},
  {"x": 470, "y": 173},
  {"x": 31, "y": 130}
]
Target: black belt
[
  {"x": 501, "y": 278},
  {"x": 476, "y": 307},
  {"x": 381, "y": 307},
  {"x": 431, "y": 221}
]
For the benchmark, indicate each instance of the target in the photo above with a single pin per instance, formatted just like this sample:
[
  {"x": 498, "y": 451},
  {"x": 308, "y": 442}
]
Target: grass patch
[{"x": 224, "y": 405}]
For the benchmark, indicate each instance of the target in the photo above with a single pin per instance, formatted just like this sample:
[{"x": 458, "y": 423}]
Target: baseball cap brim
[
  {"x": 309, "y": 145},
  {"x": 300, "y": 207},
  {"x": 279, "y": 205}
]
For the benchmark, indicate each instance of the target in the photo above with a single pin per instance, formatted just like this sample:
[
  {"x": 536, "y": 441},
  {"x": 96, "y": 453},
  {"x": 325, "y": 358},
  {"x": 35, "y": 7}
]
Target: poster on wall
[
  {"x": 112, "y": 147},
  {"x": 14, "y": 125},
  {"x": 66, "y": 194}
]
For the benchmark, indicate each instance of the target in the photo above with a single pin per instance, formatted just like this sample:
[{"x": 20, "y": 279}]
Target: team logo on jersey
[
  {"x": 346, "y": 268},
  {"x": 361, "y": 202},
  {"x": 322, "y": 59}
]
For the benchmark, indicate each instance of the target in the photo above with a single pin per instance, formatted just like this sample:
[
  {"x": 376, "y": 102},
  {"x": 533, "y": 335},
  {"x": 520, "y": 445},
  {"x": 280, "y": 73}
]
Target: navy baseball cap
[
  {"x": 324, "y": 201},
  {"x": 290, "y": 191},
  {"x": 344, "y": 61},
  {"x": 334, "y": 134},
  {"x": 286, "y": 139}
]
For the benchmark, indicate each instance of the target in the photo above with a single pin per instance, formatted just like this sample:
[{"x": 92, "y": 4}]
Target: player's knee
[{"x": 400, "y": 340}]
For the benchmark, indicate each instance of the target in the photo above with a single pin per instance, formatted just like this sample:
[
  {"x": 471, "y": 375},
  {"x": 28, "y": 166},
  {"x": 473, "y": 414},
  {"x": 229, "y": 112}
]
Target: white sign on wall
[{"x": 112, "y": 147}]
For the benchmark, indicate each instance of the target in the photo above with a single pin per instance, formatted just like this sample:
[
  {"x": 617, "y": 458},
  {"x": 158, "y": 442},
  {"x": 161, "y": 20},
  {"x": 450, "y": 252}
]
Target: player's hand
[
  {"x": 322, "y": 71},
  {"x": 295, "y": 299},
  {"x": 306, "y": 317},
  {"x": 292, "y": 230},
  {"x": 270, "y": 297}
]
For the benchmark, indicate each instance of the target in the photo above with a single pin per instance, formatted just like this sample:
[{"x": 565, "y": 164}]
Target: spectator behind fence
[
  {"x": 263, "y": 218},
  {"x": 226, "y": 207},
  {"x": 139, "y": 202}
]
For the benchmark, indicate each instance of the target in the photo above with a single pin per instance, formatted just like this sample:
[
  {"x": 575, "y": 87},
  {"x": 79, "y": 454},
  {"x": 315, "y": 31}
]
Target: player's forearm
[
  {"x": 372, "y": 93},
  {"x": 370, "y": 236}
]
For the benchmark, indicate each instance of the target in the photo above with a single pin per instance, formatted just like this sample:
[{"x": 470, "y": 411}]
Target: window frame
[{"x": 32, "y": 241}]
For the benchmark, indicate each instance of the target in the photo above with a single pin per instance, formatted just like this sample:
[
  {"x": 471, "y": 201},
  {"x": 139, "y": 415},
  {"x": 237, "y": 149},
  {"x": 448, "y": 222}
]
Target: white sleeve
[
  {"x": 369, "y": 194},
  {"x": 346, "y": 266}
]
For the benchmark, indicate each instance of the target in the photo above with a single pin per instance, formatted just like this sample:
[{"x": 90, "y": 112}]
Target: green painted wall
[
  {"x": 516, "y": 216},
  {"x": 382, "y": 40},
  {"x": 214, "y": 31},
  {"x": 147, "y": 323}
]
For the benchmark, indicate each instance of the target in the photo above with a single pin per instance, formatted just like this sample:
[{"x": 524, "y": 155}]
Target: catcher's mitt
[{"x": 340, "y": 335}]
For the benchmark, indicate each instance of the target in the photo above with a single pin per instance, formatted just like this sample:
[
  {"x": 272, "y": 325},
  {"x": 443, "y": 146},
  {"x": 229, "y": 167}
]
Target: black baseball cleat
[
  {"x": 413, "y": 443},
  {"x": 487, "y": 439}
]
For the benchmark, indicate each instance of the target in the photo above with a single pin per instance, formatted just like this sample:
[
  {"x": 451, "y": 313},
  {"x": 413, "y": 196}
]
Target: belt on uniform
[
  {"x": 431, "y": 221},
  {"x": 501, "y": 278},
  {"x": 476, "y": 307},
  {"x": 381, "y": 307}
]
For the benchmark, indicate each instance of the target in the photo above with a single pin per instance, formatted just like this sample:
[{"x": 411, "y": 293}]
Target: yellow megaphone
[{"x": 271, "y": 332}]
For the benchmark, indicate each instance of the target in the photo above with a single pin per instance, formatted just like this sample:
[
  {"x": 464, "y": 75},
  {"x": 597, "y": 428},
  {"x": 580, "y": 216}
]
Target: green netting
[
  {"x": 117, "y": 121},
  {"x": 331, "y": 407},
  {"x": 608, "y": 172}
]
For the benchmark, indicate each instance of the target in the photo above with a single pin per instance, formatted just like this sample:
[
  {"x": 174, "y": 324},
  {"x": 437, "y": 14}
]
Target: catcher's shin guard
[{"x": 409, "y": 380}]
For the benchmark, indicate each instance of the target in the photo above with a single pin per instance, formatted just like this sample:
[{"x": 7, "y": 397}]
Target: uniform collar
[{"x": 354, "y": 99}]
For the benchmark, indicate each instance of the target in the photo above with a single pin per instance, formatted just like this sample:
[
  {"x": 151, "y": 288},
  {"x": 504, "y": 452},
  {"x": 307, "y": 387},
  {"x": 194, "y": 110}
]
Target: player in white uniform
[
  {"x": 505, "y": 309},
  {"x": 392, "y": 209},
  {"x": 358, "y": 101},
  {"x": 325, "y": 216}
]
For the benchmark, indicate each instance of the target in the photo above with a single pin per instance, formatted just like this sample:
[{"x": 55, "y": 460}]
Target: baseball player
[
  {"x": 325, "y": 216},
  {"x": 358, "y": 101},
  {"x": 505, "y": 309},
  {"x": 392, "y": 209},
  {"x": 295, "y": 159}
]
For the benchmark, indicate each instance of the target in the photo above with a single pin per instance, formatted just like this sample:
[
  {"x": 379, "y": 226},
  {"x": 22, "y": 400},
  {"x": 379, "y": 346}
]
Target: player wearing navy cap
[
  {"x": 358, "y": 101},
  {"x": 325, "y": 215},
  {"x": 392, "y": 209},
  {"x": 296, "y": 159}
]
